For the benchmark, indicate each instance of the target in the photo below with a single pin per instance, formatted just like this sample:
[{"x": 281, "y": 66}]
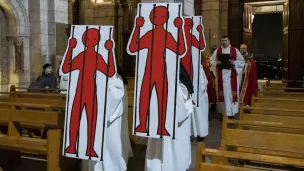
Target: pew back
[
  {"x": 281, "y": 94},
  {"x": 263, "y": 142},
  {"x": 13, "y": 114},
  {"x": 278, "y": 102}
]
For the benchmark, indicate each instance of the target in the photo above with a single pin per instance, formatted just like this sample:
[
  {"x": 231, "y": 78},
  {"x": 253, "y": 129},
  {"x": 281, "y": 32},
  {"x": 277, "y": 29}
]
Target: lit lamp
[{"x": 99, "y": 1}]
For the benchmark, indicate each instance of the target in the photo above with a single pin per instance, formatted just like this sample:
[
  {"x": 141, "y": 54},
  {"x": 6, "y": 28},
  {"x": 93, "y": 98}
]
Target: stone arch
[
  {"x": 15, "y": 14},
  {"x": 17, "y": 18}
]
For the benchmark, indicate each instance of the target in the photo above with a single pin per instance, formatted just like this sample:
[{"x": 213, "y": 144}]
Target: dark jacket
[{"x": 49, "y": 80}]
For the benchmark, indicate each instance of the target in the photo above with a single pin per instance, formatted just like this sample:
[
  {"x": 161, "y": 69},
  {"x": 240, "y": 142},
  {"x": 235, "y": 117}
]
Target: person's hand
[
  {"x": 231, "y": 62},
  {"x": 178, "y": 22},
  {"x": 72, "y": 43},
  {"x": 218, "y": 62},
  {"x": 140, "y": 21},
  {"x": 199, "y": 28},
  {"x": 109, "y": 44}
]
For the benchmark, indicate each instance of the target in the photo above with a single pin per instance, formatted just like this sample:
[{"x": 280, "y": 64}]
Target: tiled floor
[{"x": 137, "y": 162}]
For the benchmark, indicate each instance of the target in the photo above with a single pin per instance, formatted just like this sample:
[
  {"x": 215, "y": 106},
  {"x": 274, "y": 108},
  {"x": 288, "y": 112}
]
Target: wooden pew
[
  {"x": 281, "y": 94},
  {"x": 275, "y": 115},
  {"x": 35, "y": 98},
  {"x": 276, "y": 83},
  {"x": 269, "y": 83},
  {"x": 278, "y": 102},
  {"x": 12, "y": 114},
  {"x": 271, "y": 111},
  {"x": 13, "y": 88},
  {"x": 282, "y": 89},
  {"x": 260, "y": 146}
]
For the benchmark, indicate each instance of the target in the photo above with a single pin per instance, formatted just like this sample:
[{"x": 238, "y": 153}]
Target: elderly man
[
  {"x": 250, "y": 81},
  {"x": 229, "y": 64}
]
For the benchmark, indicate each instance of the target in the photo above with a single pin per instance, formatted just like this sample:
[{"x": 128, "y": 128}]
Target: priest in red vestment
[
  {"x": 229, "y": 64},
  {"x": 250, "y": 81},
  {"x": 211, "y": 78}
]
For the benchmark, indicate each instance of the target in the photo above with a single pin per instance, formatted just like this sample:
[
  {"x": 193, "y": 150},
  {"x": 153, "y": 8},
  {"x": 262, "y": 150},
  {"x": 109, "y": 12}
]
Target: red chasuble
[
  {"x": 220, "y": 97},
  {"x": 210, "y": 77},
  {"x": 250, "y": 83}
]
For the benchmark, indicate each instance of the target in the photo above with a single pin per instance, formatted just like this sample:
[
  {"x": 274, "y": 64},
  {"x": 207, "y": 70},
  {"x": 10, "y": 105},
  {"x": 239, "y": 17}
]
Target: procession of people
[{"x": 172, "y": 100}]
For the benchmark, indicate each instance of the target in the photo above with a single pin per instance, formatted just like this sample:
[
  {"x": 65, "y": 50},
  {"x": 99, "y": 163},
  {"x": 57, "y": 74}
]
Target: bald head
[{"x": 243, "y": 49}]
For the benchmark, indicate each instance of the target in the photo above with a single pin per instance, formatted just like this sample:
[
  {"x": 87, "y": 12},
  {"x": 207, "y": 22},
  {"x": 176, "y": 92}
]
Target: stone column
[
  {"x": 108, "y": 13},
  {"x": 129, "y": 10},
  {"x": 211, "y": 21},
  {"x": 42, "y": 15},
  {"x": 188, "y": 8},
  {"x": 224, "y": 17}
]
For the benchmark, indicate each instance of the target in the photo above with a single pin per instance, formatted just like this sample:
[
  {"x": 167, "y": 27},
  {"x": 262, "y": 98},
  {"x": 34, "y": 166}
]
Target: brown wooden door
[
  {"x": 285, "y": 39},
  {"x": 295, "y": 42},
  {"x": 235, "y": 22},
  {"x": 247, "y": 26}
]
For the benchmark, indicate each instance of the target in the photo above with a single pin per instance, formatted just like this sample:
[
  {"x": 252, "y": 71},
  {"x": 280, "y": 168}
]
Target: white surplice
[
  {"x": 63, "y": 84},
  {"x": 229, "y": 108},
  {"x": 199, "y": 118},
  {"x": 168, "y": 154},
  {"x": 126, "y": 144},
  {"x": 114, "y": 160}
]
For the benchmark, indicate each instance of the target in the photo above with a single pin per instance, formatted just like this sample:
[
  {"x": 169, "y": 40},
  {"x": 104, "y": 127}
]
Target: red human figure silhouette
[
  {"x": 154, "y": 41},
  {"x": 85, "y": 86},
  {"x": 187, "y": 59}
]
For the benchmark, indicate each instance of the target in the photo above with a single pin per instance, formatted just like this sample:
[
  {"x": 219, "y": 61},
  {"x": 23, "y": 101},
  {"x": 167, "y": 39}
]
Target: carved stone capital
[
  {"x": 18, "y": 41},
  {"x": 18, "y": 54}
]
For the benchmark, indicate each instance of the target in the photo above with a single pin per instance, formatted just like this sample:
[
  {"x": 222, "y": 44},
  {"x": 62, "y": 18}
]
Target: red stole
[
  {"x": 220, "y": 89},
  {"x": 250, "y": 83}
]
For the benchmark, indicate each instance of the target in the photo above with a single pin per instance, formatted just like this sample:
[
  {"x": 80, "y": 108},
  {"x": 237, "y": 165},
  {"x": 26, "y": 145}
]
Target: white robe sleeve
[
  {"x": 186, "y": 100},
  {"x": 116, "y": 93},
  {"x": 65, "y": 78},
  {"x": 239, "y": 62},
  {"x": 203, "y": 79},
  {"x": 213, "y": 60}
]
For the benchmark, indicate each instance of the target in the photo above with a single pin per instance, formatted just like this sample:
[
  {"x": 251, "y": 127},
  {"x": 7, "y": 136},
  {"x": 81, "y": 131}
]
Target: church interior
[{"x": 35, "y": 32}]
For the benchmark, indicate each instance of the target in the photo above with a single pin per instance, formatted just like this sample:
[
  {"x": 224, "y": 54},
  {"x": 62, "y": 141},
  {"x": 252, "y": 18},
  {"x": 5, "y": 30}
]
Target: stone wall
[{"x": 63, "y": 17}]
